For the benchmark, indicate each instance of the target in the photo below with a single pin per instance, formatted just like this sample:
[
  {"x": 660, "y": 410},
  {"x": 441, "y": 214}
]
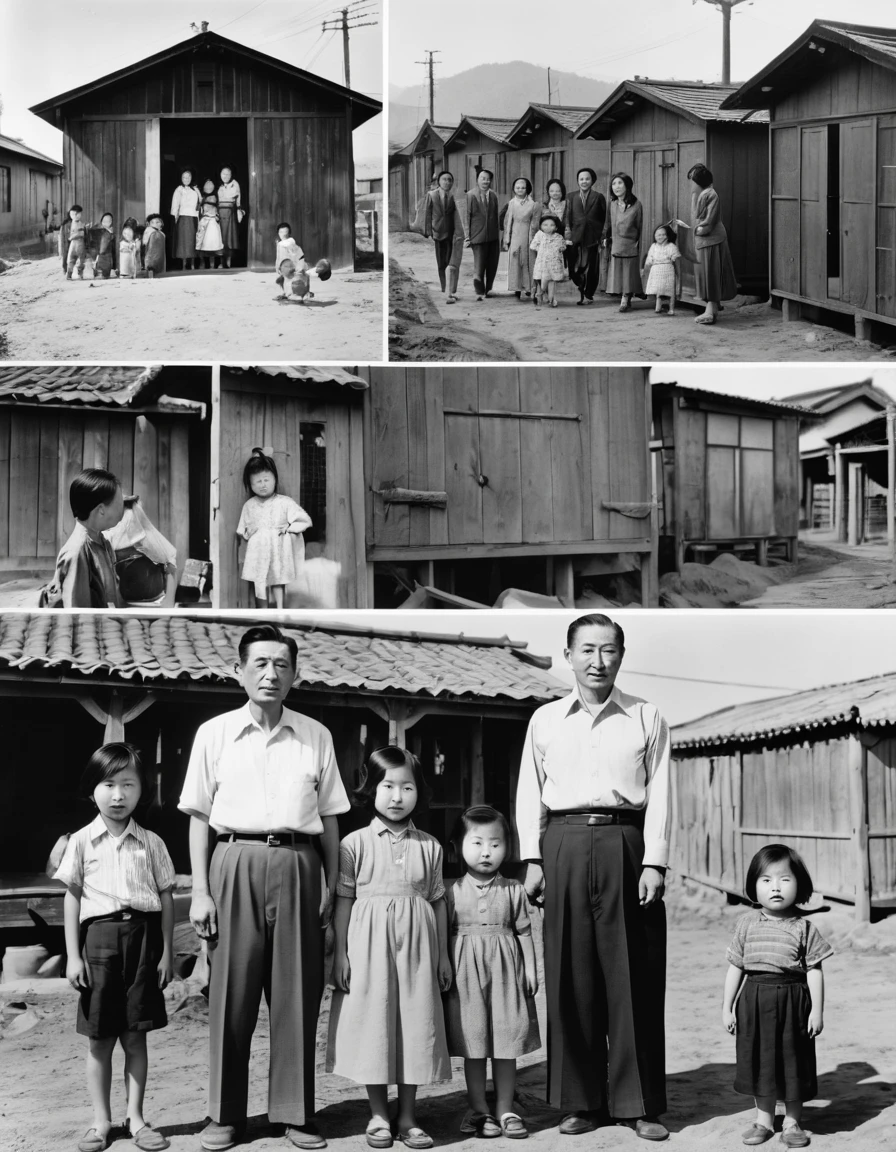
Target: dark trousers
[
  {"x": 585, "y": 268},
  {"x": 444, "y": 248},
  {"x": 269, "y": 938},
  {"x": 605, "y": 973},
  {"x": 485, "y": 265}
]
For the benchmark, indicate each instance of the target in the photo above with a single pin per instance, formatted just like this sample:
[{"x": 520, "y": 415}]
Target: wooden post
[
  {"x": 810, "y": 499},
  {"x": 791, "y": 310},
  {"x": 853, "y": 496},
  {"x": 214, "y": 533},
  {"x": 113, "y": 729},
  {"x": 152, "y": 181},
  {"x": 563, "y": 581},
  {"x": 891, "y": 479},
  {"x": 858, "y": 809},
  {"x": 863, "y": 328},
  {"x": 477, "y": 764}
]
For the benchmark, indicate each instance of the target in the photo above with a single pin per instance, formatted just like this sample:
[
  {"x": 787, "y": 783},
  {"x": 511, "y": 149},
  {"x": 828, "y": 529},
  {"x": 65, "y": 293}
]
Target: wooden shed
[
  {"x": 728, "y": 476},
  {"x": 816, "y": 770},
  {"x": 139, "y": 423},
  {"x": 412, "y": 170},
  {"x": 312, "y": 420},
  {"x": 658, "y": 129},
  {"x": 483, "y": 142},
  {"x": 546, "y": 137},
  {"x": 208, "y": 102},
  {"x": 30, "y": 191},
  {"x": 70, "y": 681},
  {"x": 493, "y": 465},
  {"x": 865, "y": 479},
  {"x": 832, "y": 101}
]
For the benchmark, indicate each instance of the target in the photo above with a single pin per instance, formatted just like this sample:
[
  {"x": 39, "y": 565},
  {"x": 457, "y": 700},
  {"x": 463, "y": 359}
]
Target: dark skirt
[
  {"x": 775, "y": 1053},
  {"x": 230, "y": 228},
  {"x": 714, "y": 272},
  {"x": 122, "y": 957},
  {"x": 624, "y": 277},
  {"x": 185, "y": 238}
]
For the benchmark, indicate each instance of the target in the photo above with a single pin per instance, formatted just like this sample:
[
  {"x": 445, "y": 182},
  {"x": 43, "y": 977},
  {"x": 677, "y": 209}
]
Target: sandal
[
  {"x": 513, "y": 1127},
  {"x": 94, "y": 1143},
  {"x": 379, "y": 1135},
  {"x": 415, "y": 1138},
  {"x": 756, "y": 1134},
  {"x": 147, "y": 1138}
]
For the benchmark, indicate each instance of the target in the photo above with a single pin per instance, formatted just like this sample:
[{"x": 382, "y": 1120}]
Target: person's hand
[
  {"x": 651, "y": 885},
  {"x": 816, "y": 1022},
  {"x": 729, "y": 1020},
  {"x": 77, "y": 973},
  {"x": 342, "y": 972},
  {"x": 327, "y": 901},
  {"x": 444, "y": 972},
  {"x": 166, "y": 970},
  {"x": 531, "y": 982},
  {"x": 534, "y": 882},
  {"x": 204, "y": 917},
  {"x": 468, "y": 244},
  {"x": 568, "y": 243}
]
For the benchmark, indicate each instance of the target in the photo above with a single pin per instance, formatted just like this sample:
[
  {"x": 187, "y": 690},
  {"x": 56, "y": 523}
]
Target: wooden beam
[
  {"x": 853, "y": 515},
  {"x": 477, "y": 763},
  {"x": 413, "y": 496},
  {"x": 858, "y": 810},
  {"x": 891, "y": 479},
  {"x": 114, "y": 728},
  {"x": 387, "y": 553},
  {"x": 214, "y": 532},
  {"x": 502, "y": 414},
  {"x": 153, "y": 175},
  {"x": 92, "y": 708}
]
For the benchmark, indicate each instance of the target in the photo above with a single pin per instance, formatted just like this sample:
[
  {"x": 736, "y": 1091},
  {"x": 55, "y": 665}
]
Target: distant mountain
[{"x": 490, "y": 90}]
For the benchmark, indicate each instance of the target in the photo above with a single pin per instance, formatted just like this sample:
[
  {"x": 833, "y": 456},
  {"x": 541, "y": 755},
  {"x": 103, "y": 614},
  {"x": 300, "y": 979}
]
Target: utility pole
[
  {"x": 725, "y": 7},
  {"x": 429, "y": 64},
  {"x": 549, "y": 85},
  {"x": 342, "y": 22}
]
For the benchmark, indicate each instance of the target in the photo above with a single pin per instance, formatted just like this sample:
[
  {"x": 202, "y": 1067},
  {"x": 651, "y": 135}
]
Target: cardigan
[{"x": 706, "y": 216}]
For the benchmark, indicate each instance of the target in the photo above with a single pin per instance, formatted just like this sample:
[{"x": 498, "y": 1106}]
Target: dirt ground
[
  {"x": 45, "y": 1105},
  {"x": 186, "y": 316},
  {"x": 423, "y": 327}
]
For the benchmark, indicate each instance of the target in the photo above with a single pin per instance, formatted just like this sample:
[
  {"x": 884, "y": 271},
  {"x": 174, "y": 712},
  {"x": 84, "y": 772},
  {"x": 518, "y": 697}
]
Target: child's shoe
[
  {"x": 756, "y": 1134},
  {"x": 793, "y": 1136},
  {"x": 480, "y": 1124},
  {"x": 512, "y": 1126},
  {"x": 147, "y": 1138}
]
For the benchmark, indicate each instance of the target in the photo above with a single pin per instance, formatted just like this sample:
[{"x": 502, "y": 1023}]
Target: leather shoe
[
  {"x": 576, "y": 1123},
  {"x": 792, "y": 1136},
  {"x": 649, "y": 1128},
  {"x": 215, "y": 1137},
  {"x": 305, "y": 1136},
  {"x": 756, "y": 1134}
]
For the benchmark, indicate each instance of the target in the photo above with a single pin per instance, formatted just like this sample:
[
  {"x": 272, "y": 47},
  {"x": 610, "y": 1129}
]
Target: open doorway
[{"x": 205, "y": 146}]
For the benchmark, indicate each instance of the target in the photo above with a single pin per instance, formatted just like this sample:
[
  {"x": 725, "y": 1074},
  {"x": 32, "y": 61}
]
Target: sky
[
  {"x": 772, "y": 381},
  {"x": 607, "y": 40},
  {"x": 52, "y": 46},
  {"x": 772, "y": 653}
]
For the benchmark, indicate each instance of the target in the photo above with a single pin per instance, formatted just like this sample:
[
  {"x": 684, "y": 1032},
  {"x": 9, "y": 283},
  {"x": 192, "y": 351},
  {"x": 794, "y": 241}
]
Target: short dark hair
[
  {"x": 259, "y": 461},
  {"x": 378, "y": 764},
  {"x": 526, "y": 181},
  {"x": 107, "y": 761},
  {"x": 554, "y": 180},
  {"x": 777, "y": 854},
  {"x": 701, "y": 175},
  {"x": 267, "y": 634},
  {"x": 629, "y": 198},
  {"x": 590, "y": 172},
  {"x": 153, "y": 216},
  {"x": 598, "y": 620},
  {"x": 76, "y": 208},
  {"x": 487, "y": 171},
  {"x": 91, "y": 487},
  {"x": 445, "y": 172},
  {"x": 104, "y": 215},
  {"x": 285, "y": 224},
  {"x": 550, "y": 216},
  {"x": 477, "y": 816},
  {"x": 183, "y": 170}
]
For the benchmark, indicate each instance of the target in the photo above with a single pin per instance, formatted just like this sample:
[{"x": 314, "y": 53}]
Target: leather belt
[
  {"x": 596, "y": 818},
  {"x": 270, "y": 839}
]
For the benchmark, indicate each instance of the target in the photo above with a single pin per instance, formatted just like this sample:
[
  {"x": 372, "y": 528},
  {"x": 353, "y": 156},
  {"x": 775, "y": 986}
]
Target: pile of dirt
[{"x": 724, "y": 583}]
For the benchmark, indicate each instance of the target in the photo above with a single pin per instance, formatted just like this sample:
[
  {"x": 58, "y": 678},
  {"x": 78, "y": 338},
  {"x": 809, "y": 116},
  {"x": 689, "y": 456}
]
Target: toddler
[
  {"x": 268, "y": 523},
  {"x": 662, "y": 267},
  {"x": 550, "y": 247},
  {"x": 209, "y": 241},
  {"x": 73, "y": 242},
  {"x": 154, "y": 246}
]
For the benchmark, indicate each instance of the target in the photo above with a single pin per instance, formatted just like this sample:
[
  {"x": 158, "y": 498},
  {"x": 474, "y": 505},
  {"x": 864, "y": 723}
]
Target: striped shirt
[
  {"x": 128, "y": 871},
  {"x": 775, "y": 944}
]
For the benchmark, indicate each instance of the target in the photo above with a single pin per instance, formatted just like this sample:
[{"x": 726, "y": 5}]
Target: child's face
[
  {"x": 283, "y": 233},
  {"x": 127, "y": 234},
  {"x": 776, "y": 888},
  {"x": 208, "y": 187},
  {"x": 618, "y": 187},
  {"x": 549, "y": 227},
  {"x": 263, "y": 484},
  {"x": 106, "y": 222},
  {"x": 156, "y": 223},
  {"x": 118, "y": 796},
  {"x": 74, "y": 215},
  {"x": 226, "y": 175},
  {"x": 484, "y": 848},
  {"x": 396, "y": 794},
  {"x": 660, "y": 236},
  {"x": 186, "y": 178}
]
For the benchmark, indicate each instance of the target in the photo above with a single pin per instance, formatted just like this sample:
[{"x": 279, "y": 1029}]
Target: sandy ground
[
  {"x": 45, "y": 1104},
  {"x": 598, "y": 333},
  {"x": 186, "y": 316}
]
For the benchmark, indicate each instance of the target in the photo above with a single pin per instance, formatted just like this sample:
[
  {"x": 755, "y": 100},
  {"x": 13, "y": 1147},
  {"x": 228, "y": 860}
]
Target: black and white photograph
[
  {"x": 671, "y": 180},
  {"x": 215, "y": 184}
]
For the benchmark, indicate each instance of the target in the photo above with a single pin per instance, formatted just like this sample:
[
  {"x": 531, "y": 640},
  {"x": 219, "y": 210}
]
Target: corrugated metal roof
[
  {"x": 777, "y": 405},
  {"x": 307, "y": 374},
  {"x": 11, "y": 145},
  {"x": 869, "y": 703},
  {"x": 188, "y": 647},
  {"x": 78, "y": 384}
]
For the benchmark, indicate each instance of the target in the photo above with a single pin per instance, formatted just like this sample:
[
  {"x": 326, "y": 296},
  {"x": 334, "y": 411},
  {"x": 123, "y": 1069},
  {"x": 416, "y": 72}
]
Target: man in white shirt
[
  {"x": 265, "y": 778},
  {"x": 593, "y": 816}
]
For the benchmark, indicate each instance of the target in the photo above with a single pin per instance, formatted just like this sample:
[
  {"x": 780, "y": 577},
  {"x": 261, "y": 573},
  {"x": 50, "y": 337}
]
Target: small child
[
  {"x": 154, "y": 246},
  {"x": 488, "y": 922},
  {"x": 85, "y": 567},
  {"x": 267, "y": 523},
  {"x": 73, "y": 242},
  {"x": 128, "y": 254},
  {"x": 103, "y": 240},
  {"x": 662, "y": 265},
  {"x": 209, "y": 242},
  {"x": 550, "y": 246},
  {"x": 391, "y": 956},
  {"x": 774, "y": 974},
  {"x": 291, "y": 265},
  {"x": 119, "y": 930}
]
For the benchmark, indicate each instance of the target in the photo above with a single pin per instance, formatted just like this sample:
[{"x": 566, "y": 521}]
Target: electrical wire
[
  {"x": 246, "y": 13},
  {"x": 719, "y": 683}
]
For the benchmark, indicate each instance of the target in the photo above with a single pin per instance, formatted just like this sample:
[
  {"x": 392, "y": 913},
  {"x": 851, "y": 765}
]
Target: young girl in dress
[
  {"x": 268, "y": 523},
  {"x": 550, "y": 247},
  {"x": 622, "y": 235},
  {"x": 128, "y": 253},
  {"x": 490, "y": 1010},
  {"x": 662, "y": 268},
  {"x": 774, "y": 975},
  {"x": 119, "y": 932},
  {"x": 391, "y": 958},
  {"x": 209, "y": 242}
]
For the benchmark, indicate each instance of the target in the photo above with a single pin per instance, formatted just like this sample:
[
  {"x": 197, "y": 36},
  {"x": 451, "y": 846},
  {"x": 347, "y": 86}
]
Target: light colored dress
[
  {"x": 555, "y": 208},
  {"x": 520, "y": 225},
  {"x": 128, "y": 258},
  {"x": 270, "y": 556},
  {"x": 549, "y": 251},
  {"x": 208, "y": 231},
  {"x": 661, "y": 277},
  {"x": 389, "y": 1028},
  {"x": 487, "y": 1011}
]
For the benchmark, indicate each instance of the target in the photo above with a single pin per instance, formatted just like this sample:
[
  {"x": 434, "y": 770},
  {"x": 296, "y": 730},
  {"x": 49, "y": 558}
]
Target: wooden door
[
  {"x": 690, "y": 152},
  {"x": 857, "y": 213},
  {"x": 814, "y": 212},
  {"x": 886, "y": 216},
  {"x": 721, "y": 494},
  {"x": 546, "y": 166}
]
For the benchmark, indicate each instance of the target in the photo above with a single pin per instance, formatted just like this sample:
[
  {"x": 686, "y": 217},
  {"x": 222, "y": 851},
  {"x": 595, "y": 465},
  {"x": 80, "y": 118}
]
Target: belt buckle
[
  {"x": 599, "y": 818},
  {"x": 272, "y": 841}
]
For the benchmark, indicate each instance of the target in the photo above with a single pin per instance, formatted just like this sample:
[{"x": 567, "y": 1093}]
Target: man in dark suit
[
  {"x": 482, "y": 232},
  {"x": 442, "y": 224},
  {"x": 585, "y": 217}
]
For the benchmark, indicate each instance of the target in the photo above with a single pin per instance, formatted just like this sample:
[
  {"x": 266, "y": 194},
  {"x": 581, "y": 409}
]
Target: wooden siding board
[
  {"x": 499, "y": 448},
  {"x": 5, "y": 421},
  {"x": 462, "y": 456},
  {"x": 628, "y": 452},
  {"x": 71, "y": 456},
  {"x": 390, "y": 445},
  {"x": 145, "y": 466},
  {"x": 787, "y": 477},
  {"x": 536, "y": 487},
  {"x": 571, "y": 515},
  {"x": 47, "y": 484},
  {"x": 690, "y": 469},
  {"x": 24, "y": 472},
  {"x": 599, "y": 427},
  {"x": 418, "y": 463},
  {"x": 435, "y": 437}
]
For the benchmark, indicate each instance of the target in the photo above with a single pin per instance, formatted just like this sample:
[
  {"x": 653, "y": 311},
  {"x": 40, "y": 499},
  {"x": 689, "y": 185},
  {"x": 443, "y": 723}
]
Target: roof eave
[{"x": 615, "y": 98}]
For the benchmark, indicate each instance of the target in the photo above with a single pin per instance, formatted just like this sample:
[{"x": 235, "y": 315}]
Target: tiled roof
[
  {"x": 443, "y": 130},
  {"x": 494, "y": 127},
  {"x": 335, "y": 658},
  {"x": 308, "y": 375},
  {"x": 117, "y": 385},
  {"x": 698, "y": 101},
  {"x": 869, "y": 703},
  {"x": 10, "y": 145},
  {"x": 776, "y": 405},
  {"x": 566, "y": 115}
]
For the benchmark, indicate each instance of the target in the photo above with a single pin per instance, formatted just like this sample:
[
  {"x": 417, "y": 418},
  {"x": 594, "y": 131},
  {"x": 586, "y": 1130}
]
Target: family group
[
  {"x": 576, "y": 236},
  {"x": 139, "y": 250},
  {"x": 423, "y": 969}
]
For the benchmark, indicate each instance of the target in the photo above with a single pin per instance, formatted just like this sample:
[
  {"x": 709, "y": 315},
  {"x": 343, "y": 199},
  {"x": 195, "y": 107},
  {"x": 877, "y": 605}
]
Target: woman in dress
[
  {"x": 622, "y": 234},
  {"x": 185, "y": 209},
  {"x": 713, "y": 266},
  {"x": 230, "y": 214},
  {"x": 555, "y": 202},
  {"x": 520, "y": 226}
]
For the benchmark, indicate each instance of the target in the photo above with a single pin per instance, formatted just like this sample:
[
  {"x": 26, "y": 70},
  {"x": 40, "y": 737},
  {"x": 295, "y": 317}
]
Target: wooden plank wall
[
  {"x": 787, "y": 476},
  {"x": 30, "y": 187},
  {"x": 105, "y": 169},
  {"x": 705, "y": 813},
  {"x": 546, "y": 478},
  {"x": 42, "y": 452},
  {"x": 498, "y": 158},
  {"x": 881, "y": 753},
  {"x": 737, "y": 156},
  {"x": 845, "y": 84}
]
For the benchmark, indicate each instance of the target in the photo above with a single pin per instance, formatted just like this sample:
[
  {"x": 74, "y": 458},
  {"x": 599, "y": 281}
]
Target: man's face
[
  {"x": 484, "y": 181},
  {"x": 595, "y": 658},
  {"x": 268, "y": 673}
]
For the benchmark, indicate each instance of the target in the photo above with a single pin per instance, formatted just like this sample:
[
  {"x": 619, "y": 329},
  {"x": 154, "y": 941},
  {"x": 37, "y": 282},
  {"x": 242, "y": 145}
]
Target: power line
[
  {"x": 428, "y": 64},
  {"x": 341, "y": 23},
  {"x": 246, "y": 13},
  {"x": 720, "y": 683}
]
